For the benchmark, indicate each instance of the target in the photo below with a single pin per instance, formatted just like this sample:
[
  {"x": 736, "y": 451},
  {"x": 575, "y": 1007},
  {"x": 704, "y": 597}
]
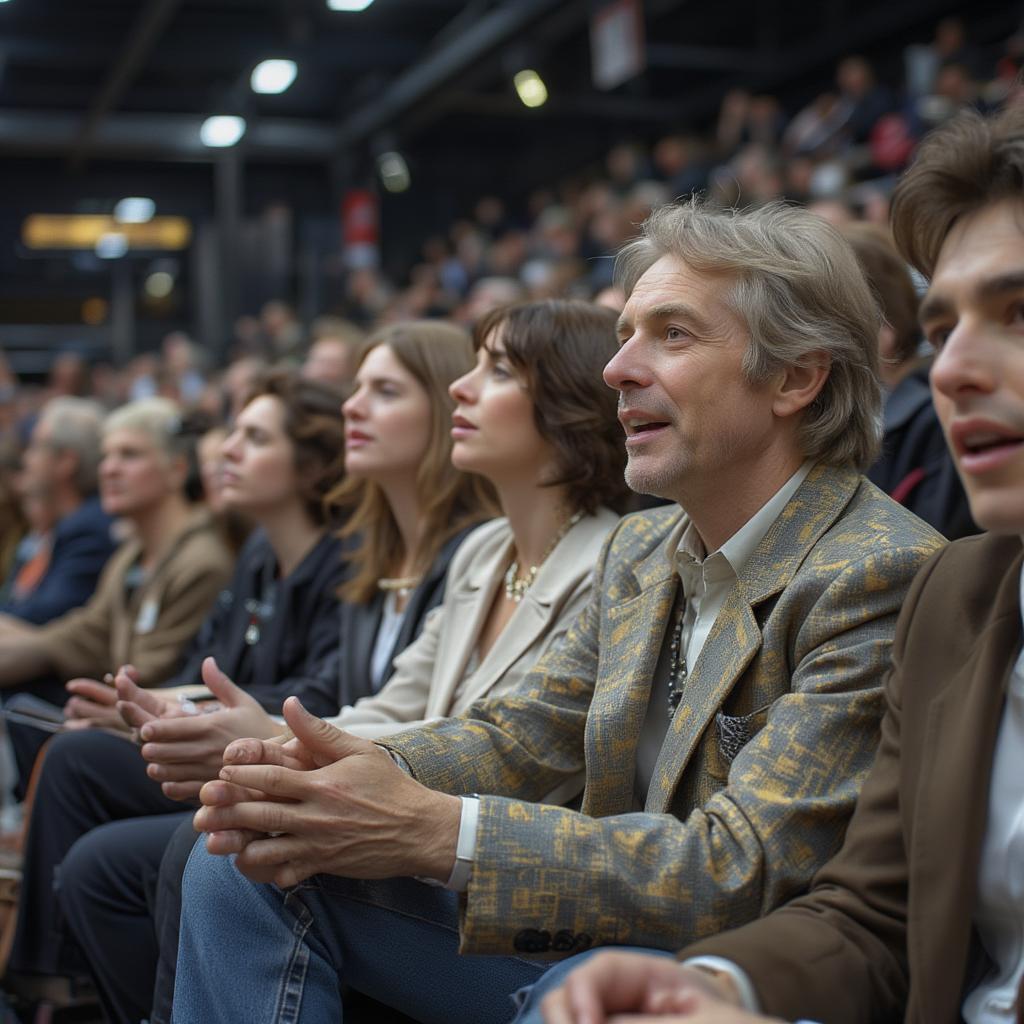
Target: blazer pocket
[{"x": 733, "y": 733}]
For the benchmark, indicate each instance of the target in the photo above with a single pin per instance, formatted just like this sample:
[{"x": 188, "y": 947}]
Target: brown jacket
[
  {"x": 886, "y": 933},
  {"x": 151, "y": 628}
]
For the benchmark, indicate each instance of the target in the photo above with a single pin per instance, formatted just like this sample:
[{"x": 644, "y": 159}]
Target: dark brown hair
[
  {"x": 313, "y": 424},
  {"x": 560, "y": 347},
  {"x": 965, "y": 164},
  {"x": 435, "y": 353},
  {"x": 889, "y": 277}
]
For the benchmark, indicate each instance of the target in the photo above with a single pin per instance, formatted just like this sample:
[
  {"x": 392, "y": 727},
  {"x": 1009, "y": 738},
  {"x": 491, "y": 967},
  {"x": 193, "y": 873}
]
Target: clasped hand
[
  {"x": 185, "y": 750},
  {"x": 326, "y": 803}
]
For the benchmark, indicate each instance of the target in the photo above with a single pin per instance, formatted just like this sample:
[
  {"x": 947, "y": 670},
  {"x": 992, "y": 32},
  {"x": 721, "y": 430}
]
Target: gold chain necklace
[
  {"x": 516, "y": 586},
  {"x": 400, "y": 584}
]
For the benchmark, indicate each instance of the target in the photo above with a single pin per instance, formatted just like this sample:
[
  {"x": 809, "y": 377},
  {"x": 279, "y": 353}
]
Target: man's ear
[{"x": 798, "y": 386}]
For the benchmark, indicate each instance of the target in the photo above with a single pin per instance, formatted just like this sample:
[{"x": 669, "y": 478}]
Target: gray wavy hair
[{"x": 801, "y": 292}]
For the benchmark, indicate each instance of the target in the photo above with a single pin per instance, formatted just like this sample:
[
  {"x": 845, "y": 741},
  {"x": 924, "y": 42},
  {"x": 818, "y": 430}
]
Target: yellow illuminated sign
[{"x": 83, "y": 231}]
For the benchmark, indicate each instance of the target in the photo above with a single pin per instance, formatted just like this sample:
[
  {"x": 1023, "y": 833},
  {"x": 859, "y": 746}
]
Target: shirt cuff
[
  {"x": 738, "y": 976},
  {"x": 465, "y": 847},
  {"x": 398, "y": 759}
]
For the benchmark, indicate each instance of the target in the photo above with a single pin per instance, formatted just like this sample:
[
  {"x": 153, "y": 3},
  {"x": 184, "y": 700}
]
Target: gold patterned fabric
[{"x": 760, "y": 769}]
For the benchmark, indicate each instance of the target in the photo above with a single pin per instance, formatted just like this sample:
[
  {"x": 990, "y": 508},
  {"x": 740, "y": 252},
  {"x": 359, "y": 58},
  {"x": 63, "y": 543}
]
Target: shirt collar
[{"x": 732, "y": 557}]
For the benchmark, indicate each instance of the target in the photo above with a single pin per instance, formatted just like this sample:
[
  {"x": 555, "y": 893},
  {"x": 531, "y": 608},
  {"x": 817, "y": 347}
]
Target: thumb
[
  {"x": 326, "y": 743},
  {"x": 221, "y": 686}
]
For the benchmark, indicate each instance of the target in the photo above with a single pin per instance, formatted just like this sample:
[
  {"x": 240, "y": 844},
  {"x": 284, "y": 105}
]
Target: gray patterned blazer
[{"x": 738, "y": 818}]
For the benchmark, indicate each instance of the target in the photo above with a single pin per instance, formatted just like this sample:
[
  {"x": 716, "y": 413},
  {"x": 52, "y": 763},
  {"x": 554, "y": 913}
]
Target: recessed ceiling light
[
  {"x": 112, "y": 246},
  {"x": 530, "y": 88},
  {"x": 134, "y": 210},
  {"x": 348, "y": 5},
  {"x": 222, "y": 130},
  {"x": 273, "y": 76}
]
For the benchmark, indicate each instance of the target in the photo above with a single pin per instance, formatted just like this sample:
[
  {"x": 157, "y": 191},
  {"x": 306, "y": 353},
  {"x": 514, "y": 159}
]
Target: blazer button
[{"x": 530, "y": 940}]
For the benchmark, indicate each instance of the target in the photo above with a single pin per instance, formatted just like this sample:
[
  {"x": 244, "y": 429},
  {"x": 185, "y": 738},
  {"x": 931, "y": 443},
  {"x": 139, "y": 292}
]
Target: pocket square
[{"x": 736, "y": 731}]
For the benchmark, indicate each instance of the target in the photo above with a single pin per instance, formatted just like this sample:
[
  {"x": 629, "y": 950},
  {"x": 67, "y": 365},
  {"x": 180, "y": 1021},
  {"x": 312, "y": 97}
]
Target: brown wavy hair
[
  {"x": 965, "y": 164},
  {"x": 559, "y": 347},
  {"x": 313, "y": 423},
  {"x": 435, "y": 353}
]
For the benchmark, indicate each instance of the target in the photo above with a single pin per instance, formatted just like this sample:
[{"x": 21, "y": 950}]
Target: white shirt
[
  {"x": 391, "y": 620},
  {"x": 999, "y": 911}
]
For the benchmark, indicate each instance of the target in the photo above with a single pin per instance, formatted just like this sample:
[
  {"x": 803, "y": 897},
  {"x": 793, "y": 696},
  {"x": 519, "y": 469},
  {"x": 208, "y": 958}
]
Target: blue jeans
[
  {"x": 553, "y": 978},
  {"x": 252, "y": 952}
]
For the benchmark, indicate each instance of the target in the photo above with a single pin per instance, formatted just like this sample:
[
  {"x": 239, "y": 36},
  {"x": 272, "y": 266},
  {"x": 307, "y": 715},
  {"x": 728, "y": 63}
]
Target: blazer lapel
[
  {"x": 951, "y": 810},
  {"x": 735, "y": 637},
  {"x": 631, "y": 639},
  {"x": 467, "y": 611},
  {"x": 533, "y": 616}
]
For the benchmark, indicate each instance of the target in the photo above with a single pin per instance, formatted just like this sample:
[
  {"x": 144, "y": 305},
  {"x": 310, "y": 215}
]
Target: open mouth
[
  {"x": 981, "y": 450},
  {"x": 975, "y": 446},
  {"x": 647, "y": 428}
]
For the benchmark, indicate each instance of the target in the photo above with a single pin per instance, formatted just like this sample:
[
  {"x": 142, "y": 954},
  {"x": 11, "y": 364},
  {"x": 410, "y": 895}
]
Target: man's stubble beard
[{"x": 658, "y": 481}]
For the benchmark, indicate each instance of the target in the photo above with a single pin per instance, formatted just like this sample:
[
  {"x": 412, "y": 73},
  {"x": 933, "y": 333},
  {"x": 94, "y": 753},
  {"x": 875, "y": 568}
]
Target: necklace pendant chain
[
  {"x": 678, "y": 670},
  {"x": 516, "y": 586}
]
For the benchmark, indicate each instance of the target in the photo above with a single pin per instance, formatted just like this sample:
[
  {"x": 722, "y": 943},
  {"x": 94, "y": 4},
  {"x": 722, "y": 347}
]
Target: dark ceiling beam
[
  {"x": 161, "y": 137},
  {"x": 151, "y": 22},
  {"x": 586, "y": 105},
  {"x": 712, "y": 58},
  {"x": 61, "y": 51},
  {"x": 435, "y": 70}
]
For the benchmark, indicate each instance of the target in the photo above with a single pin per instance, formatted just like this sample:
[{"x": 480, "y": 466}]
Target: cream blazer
[{"x": 432, "y": 677}]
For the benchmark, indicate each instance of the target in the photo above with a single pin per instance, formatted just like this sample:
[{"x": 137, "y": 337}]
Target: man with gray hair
[
  {"x": 58, "y": 489},
  {"x": 720, "y": 695}
]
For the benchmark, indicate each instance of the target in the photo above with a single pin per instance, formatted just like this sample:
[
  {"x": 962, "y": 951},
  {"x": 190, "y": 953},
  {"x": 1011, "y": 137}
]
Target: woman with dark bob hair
[{"x": 535, "y": 419}]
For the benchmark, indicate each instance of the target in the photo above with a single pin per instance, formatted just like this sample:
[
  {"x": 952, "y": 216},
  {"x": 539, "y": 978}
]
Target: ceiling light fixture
[
  {"x": 271, "y": 77},
  {"x": 112, "y": 246},
  {"x": 134, "y": 210},
  {"x": 530, "y": 88},
  {"x": 394, "y": 171},
  {"x": 348, "y": 5},
  {"x": 222, "y": 130}
]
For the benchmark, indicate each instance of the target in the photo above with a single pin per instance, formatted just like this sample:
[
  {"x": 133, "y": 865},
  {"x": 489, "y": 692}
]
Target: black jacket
[
  {"x": 345, "y": 677},
  {"x": 915, "y": 467},
  {"x": 294, "y": 642}
]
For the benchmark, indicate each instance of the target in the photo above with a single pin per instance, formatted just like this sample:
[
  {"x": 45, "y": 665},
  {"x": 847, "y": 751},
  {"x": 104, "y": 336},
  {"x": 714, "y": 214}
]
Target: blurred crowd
[{"x": 840, "y": 155}]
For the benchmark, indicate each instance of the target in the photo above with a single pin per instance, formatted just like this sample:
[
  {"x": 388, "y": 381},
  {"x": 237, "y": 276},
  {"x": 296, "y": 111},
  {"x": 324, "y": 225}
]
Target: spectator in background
[
  {"x": 71, "y": 530},
  {"x": 183, "y": 367},
  {"x": 13, "y": 524},
  {"x": 334, "y": 351},
  {"x": 862, "y": 100},
  {"x": 155, "y": 590},
  {"x": 281, "y": 331},
  {"x": 238, "y": 381},
  {"x": 915, "y": 467},
  {"x": 68, "y": 376}
]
